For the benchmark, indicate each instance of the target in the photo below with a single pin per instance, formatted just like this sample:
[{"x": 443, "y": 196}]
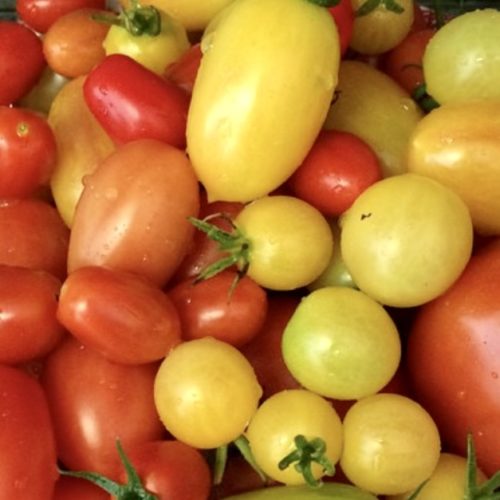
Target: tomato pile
[{"x": 249, "y": 249}]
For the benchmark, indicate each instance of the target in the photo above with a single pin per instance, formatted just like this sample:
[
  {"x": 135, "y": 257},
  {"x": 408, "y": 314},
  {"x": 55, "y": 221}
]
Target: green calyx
[
  {"x": 325, "y": 3},
  {"x": 370, "y": 5},
  {"x": 306, "y": 453},
  {"x": 138, "y": 20},
  {"x": 132, "y": 490}
]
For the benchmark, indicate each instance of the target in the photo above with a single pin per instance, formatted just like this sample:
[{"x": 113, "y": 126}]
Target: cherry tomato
[
  {"x": 94, "y": 402},
  {"x": 114, "y": 227},
  {"x": 41, "y": 14},
  {"x": 183, "y": 71},
  {"x": 343, "y": 15},
  {"x": 28, "y": 468},
  {"x": 220, "y": 308},
  {"x": 338, "y": 167},
  {"x": 131, "y": 102},
  {"x": 123, "y": 316},
  {"x": 22, "y": 61},
  {"x": 29, "y": 299},
  {"x": 460, "y": 328},
  {"x": 73, "y": 44},
  {"x": 27, "y": 152},
  {"x": 33, "y": 235}
]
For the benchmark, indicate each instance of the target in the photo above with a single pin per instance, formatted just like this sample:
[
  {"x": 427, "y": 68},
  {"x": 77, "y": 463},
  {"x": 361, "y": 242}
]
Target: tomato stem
[
  {"x": 220, "y": 462},
  {"x": 305, "y": 453},
  {"x": 244, "y": 448}
]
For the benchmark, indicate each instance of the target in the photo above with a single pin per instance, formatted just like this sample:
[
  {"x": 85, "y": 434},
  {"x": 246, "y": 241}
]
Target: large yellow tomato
[
  {"x": 263, "y": 89},
  {"x": 458, "y": 145}
]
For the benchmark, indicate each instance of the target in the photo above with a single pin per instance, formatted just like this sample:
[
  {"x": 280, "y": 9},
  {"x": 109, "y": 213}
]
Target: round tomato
[{"x": 454, "y": 358}]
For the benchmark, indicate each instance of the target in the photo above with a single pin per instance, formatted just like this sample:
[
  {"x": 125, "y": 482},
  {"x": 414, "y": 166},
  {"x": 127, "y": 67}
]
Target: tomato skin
[
  {"x": 461, "y": 328},
  {"x": 29, "y": 299},
  {"x": 113, "y": 226},
  {"x": 27, "y": 152},
  {"x": 89, "y": 397},
  {"x": 28, "y": 468},
  {"x": 210, "y": 309},
  {"x": 40, "y": 14},
  {"x": 33, "y": 235},
  {"x": 336, "y": 170},
  {"x": 72, "y": 488},
  {"x": 131, "y": 102},
  {"x": 123, "y": 316},
  {"x": 183, "y": 71},
  {"x": 343, "y": 15},
  {"x": 22, "y": 61}
]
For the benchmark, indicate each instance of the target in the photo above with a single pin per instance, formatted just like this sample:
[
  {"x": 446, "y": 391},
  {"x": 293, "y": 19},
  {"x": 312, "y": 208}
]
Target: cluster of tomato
[{"x": 249, "y": 246}]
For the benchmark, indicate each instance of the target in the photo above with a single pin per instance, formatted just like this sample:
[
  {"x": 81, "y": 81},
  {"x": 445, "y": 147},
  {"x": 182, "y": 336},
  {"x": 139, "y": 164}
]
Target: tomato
[
  {"x": 456, "y": 145},
  {"x": 341, "y": 344},
  {"x": 406, "y": 239},
  {"x": 29, "y": 299},
  {"x": 273, "y": 428},
  {"x": 213, "y": 308},
  {"x": 81, "y": 145},
  {"x": 391, "y": 444},
  {"x": 22, "y": 61},
  {"x": 40, "y": 14},
  {"x": 343, "y": 15},
  {"x": 338, "y": 167},
  {"x": 206, "y": 392},
  {"x": 70, "y": 488},
  {"x": 93, "y": 402},
  {"x": 114, "y": 227},
  {"x": 73, "y": 44},
  {"x": 123, "y": 316},
  {"x": 28, "y": 467},
  {"x": 131, "y": 102},
  {"x": 33, "y": 235},
  {"x": 27, "y": 152},
  {"x": 372, "y": 106},
  {"x": 243, "y": 134},
  {"x": 183, "y": 71},
  {"x": 151, "y": 37},
  {"x": 460, "y": 328}
]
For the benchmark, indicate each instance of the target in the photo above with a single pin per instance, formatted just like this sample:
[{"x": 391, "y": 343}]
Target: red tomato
[
  {"x": 133, "y": 214},
  {"x": 337, "y": 169},
  {"x": 94, "y": 402},
  {"x": 72, "y": 488},
  {"x": 40, "y": 14},
  {"x": 33, "y": 235},
  {"x": 343, "y": 15},
  {"x": 209, "y": 309},
  {"x": 27, "y": 152},
  {"x": 28, "y": 325},
  {"x": 454, "y": 359},
  {"x": 183, "y": 71},
  {"x": 22, "y": 61},
  {"x": 28, "y": 468},
  {"x": 131, "y": 102},
  {"x": 121, "y": 315}
]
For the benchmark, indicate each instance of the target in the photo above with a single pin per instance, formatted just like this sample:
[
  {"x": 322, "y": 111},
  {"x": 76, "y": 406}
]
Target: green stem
[
  {"x": 220, "y": 462},
  {"x": 325, "y": 3},
  {"x": 244, "y": 448}
]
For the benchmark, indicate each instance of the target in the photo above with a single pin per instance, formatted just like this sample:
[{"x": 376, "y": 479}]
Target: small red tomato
[
  {"x": 27, "y": 152},
  {"x": 183, "y": 71},
  {"x": 22, "y": 61},
  {"x": 121, "y": 315},
  {"x": 343, "y": 15},
  {"x": 212, "y": 308},
  {"x": 337, "y": 169},
  {"x": 131, "y": 102}
]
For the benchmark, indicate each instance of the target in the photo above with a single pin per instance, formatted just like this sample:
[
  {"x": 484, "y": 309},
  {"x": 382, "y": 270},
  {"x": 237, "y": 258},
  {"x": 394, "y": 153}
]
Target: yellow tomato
[
  {"x": 372, "y": 106},
  {"x": 458, "y": 145},
  {"x": 266, "y": 79},
  {"x": 81, "y": 145}
]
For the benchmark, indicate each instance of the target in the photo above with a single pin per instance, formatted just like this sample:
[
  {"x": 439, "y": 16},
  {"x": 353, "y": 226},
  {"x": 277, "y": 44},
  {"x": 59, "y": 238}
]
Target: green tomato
[
  {"x": 406, "y": 239},
  {"x": 341, "y": 344},
  {"x": 391, "y": 444},
  {"x": 205, "y": 393},
  {"x": 281, "y": 418}
]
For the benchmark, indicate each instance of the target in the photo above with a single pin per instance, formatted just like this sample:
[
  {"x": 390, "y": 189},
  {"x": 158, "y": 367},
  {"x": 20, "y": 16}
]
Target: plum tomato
[
  {"x": 217, "y": 308},
  {"x": 121, "y": 315},
  {"x": 22, "y": 61},
  {"x": 205, "y": 392},
  {"x": 338, "y": 167},
  {"x": 133, "y": 214},
  {"x": 28, "y": 302},
  {"x": 27, "y": 152},
  {"x": 453, "y": 358}
]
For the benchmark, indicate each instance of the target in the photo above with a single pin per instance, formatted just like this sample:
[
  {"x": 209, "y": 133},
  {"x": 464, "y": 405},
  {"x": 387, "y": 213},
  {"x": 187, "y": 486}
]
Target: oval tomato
[
  {"x": 461, "y": 329},
  {"x": 115, "y": 227}
]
